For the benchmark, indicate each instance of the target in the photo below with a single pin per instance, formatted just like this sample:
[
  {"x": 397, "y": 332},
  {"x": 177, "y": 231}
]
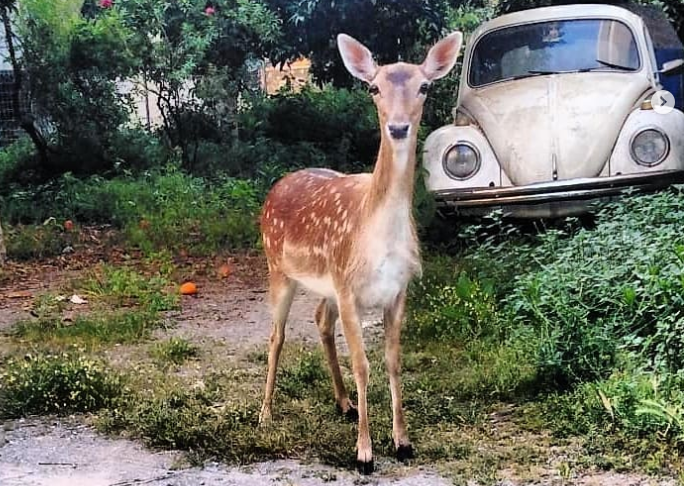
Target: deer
[{"x": 352, "y": 240}]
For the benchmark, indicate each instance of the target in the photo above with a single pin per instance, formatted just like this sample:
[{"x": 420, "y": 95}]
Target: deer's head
[{"x": 399, "y": 90}]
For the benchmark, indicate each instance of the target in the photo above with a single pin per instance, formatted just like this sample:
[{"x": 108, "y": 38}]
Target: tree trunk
[
  {"x": 3, "y": 250},
  {"x": 26, "y": 121}
]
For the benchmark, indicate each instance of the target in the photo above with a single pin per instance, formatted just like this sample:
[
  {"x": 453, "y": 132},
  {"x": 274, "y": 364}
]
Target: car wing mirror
[{"x": 675, "y": 66}]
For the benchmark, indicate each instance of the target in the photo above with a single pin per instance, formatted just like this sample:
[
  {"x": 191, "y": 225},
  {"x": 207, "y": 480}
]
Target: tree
[
  {"x": 72, "y": 66},
  {"x": 392, "y": 29},
  {"x": 193, "y": 57},
  {"x": 8, "y": 10}
]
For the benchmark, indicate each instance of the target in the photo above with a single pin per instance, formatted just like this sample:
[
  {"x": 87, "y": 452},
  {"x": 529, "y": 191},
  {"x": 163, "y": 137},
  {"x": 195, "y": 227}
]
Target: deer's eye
[
  {"x": 424, "y": 88},
  {"x": 373, "y": 89}
]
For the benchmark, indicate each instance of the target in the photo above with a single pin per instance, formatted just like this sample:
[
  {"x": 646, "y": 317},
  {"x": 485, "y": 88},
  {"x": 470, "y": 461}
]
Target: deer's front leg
[
  {"x": 351, "y": 325},
  {"x": 392, "y": 319}
]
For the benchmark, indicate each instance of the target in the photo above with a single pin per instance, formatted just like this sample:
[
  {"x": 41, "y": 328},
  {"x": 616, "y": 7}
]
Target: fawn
[{"x": 352, "y": 239}]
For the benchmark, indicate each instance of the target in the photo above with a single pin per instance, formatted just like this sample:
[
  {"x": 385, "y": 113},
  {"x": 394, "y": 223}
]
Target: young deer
[{"x": 352, "y": 239}]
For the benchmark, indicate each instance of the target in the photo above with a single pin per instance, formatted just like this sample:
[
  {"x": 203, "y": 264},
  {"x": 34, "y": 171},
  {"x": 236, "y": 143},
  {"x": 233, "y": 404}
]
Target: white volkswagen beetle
[{"x": 554, "y": 109}]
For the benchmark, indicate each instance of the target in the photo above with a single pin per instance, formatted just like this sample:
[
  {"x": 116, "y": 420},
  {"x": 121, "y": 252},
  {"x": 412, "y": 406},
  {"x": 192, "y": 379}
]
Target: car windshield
[{"x": 553, "y": 47}]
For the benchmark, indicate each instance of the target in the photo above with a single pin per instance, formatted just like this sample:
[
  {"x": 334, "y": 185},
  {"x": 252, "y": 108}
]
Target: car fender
[
  {"x": 441, "y": 140},
  {"x": 671, "y": 124}
]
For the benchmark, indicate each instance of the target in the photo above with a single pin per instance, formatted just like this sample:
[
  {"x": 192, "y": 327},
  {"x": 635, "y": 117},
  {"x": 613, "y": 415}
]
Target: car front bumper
[{"x": 551, "y": 199}]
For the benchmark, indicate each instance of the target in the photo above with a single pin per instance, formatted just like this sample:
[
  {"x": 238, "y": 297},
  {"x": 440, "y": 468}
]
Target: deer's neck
[{"x": 392, "y": 180}]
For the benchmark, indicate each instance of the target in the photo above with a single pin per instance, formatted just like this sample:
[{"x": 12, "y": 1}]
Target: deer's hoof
[
  {"x": 351, "y": 414},
  {"x": 404, "y": 452},
  {"x": 365, "y": 467}
]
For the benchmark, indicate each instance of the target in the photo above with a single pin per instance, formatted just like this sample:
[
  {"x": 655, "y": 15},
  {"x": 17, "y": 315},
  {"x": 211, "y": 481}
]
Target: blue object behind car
[{"x": 673, "y": 83}]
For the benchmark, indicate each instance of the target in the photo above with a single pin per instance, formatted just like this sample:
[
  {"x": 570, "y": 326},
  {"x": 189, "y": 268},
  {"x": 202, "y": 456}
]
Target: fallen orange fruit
[
  {"x": 188, "y": 288},
  {"x": 224, "y": 271}
]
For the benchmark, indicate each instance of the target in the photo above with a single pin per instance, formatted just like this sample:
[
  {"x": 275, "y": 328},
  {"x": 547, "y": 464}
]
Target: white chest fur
[{"x": 390, "y": 258}]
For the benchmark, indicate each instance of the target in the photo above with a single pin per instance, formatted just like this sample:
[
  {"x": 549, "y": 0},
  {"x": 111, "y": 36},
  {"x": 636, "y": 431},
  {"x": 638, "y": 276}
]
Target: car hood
[{"x": 567, "y": 123}]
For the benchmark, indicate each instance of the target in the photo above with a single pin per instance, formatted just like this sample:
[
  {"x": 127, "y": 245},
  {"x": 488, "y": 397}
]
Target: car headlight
[
  {"x": 649, "y": 147},
  {"x": 461, "y": 161}
]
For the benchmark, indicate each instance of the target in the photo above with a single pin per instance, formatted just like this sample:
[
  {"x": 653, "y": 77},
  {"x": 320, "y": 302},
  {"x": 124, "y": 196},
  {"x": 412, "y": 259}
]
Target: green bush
[
  {"x": 334, "y": 128},
  {"x": 59, "y": 384},
  {"x": 157, "y": 210},
  {"x": 16, "y": 162},
  {"x": 30, "y": 242},
  {"x": 617, "y": 286}
]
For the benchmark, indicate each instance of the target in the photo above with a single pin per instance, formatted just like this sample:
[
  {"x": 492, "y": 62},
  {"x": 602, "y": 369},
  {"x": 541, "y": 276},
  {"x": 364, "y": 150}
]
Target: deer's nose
[{"x": 398, "y": 131}]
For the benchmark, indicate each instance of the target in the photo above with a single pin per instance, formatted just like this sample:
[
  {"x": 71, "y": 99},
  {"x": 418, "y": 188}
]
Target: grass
[
  {"x": 124, "y": 287},
  {"x": 116, "y": 328},
  {"x": 61, "y": 384},
  {"x": 174, "y": 351},
  {"x": 477, "y": 350},
  {"x": 219, "y": 418}
]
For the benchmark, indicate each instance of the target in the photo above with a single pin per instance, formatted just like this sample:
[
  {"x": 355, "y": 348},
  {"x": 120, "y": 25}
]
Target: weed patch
[
  {"x": 174, "y": 351},
  {"x": 60, "y": 384},
  {"x": 116, "y": 328},
  {"x": 36, "y": 242},
  {"x": 125, "y": 287}
]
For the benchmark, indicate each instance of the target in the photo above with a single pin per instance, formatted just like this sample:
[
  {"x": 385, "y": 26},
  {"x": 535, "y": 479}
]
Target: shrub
[
  {"x": 157, "y": 210},
  {"x": 16, "y": 162},
  {"x": 60, "y": 384},
  {"x": 29, "y": 242},
  {"x": 616, "y": 286},
  {"x": 635, "y": 404},
  {"x": 337, "y": 128}
]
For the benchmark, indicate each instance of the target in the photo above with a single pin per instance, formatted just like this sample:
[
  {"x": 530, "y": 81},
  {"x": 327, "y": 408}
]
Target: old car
[{"x": 556, "y": 109}]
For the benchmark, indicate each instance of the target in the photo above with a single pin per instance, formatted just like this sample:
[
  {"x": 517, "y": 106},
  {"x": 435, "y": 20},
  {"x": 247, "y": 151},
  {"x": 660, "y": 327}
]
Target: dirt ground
[{"x": 234, "y": 312}]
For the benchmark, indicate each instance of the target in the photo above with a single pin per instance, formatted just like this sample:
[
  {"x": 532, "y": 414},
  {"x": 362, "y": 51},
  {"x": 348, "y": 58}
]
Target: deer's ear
[
  {"x": 357, "y": 58},
  {"x": 442, "y": 56}
]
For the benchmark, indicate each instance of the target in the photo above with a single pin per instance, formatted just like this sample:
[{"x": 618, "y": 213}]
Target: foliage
[
  {"x": 61, "y": 384},
  {"x": 628, "y": 405},
  {"x": 195, "y": 61},
  {"x": 36, "y": 242},
  {"x": 16, "y": 161},
  {"x": 461, "y": 310},
  {"x": 72, "y": 66},
  {"x": 618, "y": 285},
  {"x": 339, "y": 127},
  {"x": 166, "y": 209},
  {"x": 391, "y": 29}
]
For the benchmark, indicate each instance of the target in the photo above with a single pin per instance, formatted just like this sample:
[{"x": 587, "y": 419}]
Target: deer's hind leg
[
  {"x": 326, "y": 315},
  {"x": 281, "y": 290}
]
